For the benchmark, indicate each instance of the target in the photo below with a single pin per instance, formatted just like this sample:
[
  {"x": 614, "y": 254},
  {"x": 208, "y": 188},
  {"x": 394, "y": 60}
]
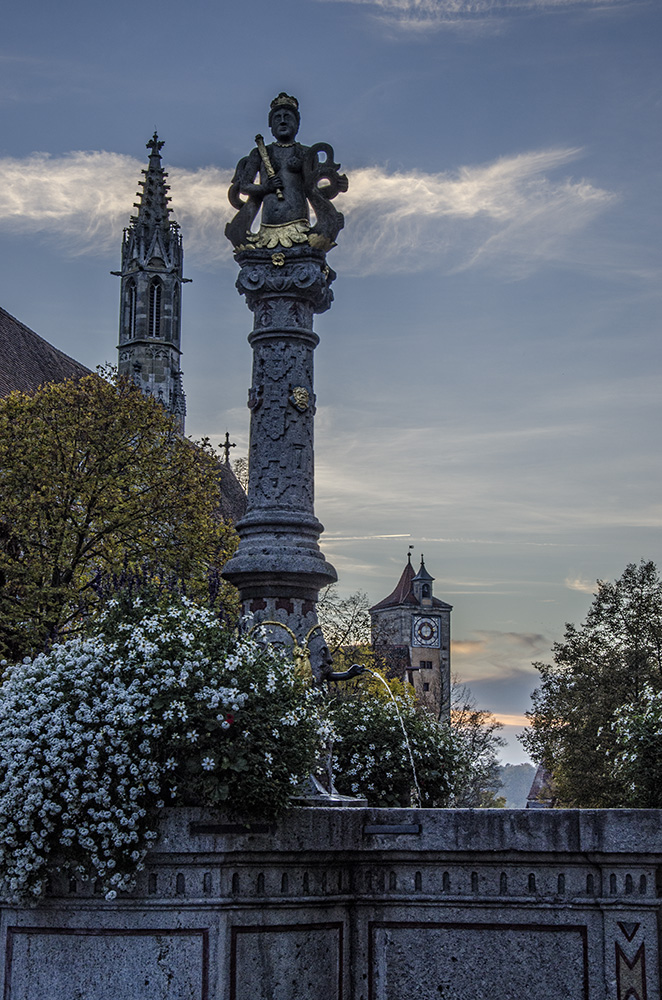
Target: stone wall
[{"x": 358, "y": 904}]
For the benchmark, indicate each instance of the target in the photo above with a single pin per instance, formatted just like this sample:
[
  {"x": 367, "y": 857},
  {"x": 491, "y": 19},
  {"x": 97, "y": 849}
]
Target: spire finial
[{"x": 155, "y": 145}]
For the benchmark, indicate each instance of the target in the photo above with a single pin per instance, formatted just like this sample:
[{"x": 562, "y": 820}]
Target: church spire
[
  {"x": 153, "y": 209},
  {"x": 150, "y": 296}
]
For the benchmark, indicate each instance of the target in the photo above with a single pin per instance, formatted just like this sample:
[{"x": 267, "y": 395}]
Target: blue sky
[{"x": 488, "y": 377}]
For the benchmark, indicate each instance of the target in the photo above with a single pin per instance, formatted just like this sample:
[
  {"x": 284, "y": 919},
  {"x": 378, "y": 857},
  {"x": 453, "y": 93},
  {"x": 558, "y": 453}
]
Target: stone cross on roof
[{"x": 226, "y": 447}]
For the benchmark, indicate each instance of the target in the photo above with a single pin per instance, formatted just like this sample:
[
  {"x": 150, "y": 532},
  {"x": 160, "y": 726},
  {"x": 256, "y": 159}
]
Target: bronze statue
[{"x": 285, "y": 179}]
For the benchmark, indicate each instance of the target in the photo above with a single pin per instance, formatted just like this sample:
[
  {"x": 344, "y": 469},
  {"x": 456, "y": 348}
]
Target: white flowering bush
[
  {"x": 371, "y": 756},
  {"x": 636, "y": 763},
  {"x": 154, "y": 707}
]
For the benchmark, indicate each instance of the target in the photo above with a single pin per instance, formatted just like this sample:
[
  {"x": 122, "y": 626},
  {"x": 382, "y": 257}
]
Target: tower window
[
  {"x": 425, "y": 590},
  {"x": 175, "y": 314},
  {"x": 155, "y": 309},
  {"x": 131, "y": 301},
  {"x": 425, "y": 664}
]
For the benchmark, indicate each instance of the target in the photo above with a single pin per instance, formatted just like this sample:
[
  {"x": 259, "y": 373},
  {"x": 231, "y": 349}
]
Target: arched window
[
  {"x": 175, "y": 314},
  {"x": 130, "y": 315},
  {"x": 154, "y": 329},
  {"x": 425, "y": 590}
]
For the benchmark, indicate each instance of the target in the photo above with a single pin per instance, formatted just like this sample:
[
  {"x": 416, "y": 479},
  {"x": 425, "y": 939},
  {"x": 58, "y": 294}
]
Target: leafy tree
[
  {"x": 608, "y": 662},
  {"x": 97, "y": 487},
  {"x": 637, "y": 763},
  {"x": 475, "y": 730}
]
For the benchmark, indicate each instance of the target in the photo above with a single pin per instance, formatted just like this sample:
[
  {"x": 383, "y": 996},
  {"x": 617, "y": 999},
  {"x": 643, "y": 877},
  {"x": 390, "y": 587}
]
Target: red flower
[{"x": 229, "y": 718}]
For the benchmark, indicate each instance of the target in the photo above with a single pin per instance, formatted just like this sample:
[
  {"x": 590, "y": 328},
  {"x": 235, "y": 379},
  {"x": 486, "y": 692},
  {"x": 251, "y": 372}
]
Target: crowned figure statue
[{"x": 286, "y": 179}]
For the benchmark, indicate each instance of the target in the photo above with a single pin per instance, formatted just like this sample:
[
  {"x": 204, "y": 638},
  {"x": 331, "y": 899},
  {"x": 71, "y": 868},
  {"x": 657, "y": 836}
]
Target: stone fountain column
[{"x": 278, "y": 567}]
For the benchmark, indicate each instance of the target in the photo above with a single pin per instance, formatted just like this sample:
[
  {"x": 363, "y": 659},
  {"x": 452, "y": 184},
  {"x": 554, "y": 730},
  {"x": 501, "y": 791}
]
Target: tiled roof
[
  {"x": 233, "y": 498},
  {"x": 540, "y": 794},
  {"x": 403, "y": 593},
  {"x": 28, "y": 361}
]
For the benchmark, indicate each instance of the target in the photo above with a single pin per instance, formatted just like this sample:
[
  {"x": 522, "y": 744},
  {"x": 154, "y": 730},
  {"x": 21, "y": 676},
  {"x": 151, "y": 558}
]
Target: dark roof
[
  {"x": 29, "y": 361},
  {"x": 540, "y": 794},
  {"x": 404, "y": 592},
  {"x": 423, "y": 573},
  {"x": 233, "y": 498}
]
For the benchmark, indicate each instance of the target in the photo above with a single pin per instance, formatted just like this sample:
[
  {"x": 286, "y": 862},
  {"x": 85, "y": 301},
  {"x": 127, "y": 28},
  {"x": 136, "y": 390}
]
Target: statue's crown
[{"x": 284, "y": 100}]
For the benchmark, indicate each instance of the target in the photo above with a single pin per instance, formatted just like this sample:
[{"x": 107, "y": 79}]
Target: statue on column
[{"x": 286, "y": 179}]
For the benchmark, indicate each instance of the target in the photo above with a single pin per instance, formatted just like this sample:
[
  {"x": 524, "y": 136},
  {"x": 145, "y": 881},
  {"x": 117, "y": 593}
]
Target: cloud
[
  {"x": 421, "y": 16},
  {"x": 508, "y": 213},
  {"x": 577, "y": 582},
  {"x": 84, "y": 200},
  {"x": 507, "y": 719},
  {"x": 493, "y": 653}
]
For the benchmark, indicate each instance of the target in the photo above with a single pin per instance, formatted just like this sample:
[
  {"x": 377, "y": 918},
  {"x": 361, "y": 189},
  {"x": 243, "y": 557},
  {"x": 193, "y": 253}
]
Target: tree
[
  {"x": 240, "y": 469},
  {"x": 475, "y": 730},
  {"x": 96, "y": 487},
  {"x": 608, "y": 662}
]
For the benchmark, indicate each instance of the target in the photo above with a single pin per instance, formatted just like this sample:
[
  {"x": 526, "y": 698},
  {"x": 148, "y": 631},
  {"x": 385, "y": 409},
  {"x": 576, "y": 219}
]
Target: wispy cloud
[
  {"x": 420, "y": 16},
  {"x": 508, "y": 719},
  {"x": 577, "y": 582},
  {"x": 508, "y": 213},
  {"x": 84, "y": 200},
  {"x": 492, "y": 653}
]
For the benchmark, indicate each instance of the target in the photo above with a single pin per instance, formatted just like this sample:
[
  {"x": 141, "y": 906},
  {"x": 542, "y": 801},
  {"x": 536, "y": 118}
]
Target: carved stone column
[{"x": 278, "y": 567}]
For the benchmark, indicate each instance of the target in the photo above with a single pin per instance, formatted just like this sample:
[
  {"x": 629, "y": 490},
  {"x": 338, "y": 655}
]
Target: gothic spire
[
  {"x": 153, "y": 209},
  {"x": 150, "y": 296}
]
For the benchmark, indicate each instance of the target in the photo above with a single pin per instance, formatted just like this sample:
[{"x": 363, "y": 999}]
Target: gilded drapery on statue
[{"x": 286, "y": 180}]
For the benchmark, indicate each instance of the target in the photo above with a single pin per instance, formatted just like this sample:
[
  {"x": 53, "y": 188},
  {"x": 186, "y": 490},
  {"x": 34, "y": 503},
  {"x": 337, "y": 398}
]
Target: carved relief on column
[
  {"x": 630, "y": 971},
  {"x": 283, "y": 406}
]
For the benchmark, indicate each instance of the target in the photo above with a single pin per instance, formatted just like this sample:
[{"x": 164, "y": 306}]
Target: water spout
[{"x": 416, "y": 796}]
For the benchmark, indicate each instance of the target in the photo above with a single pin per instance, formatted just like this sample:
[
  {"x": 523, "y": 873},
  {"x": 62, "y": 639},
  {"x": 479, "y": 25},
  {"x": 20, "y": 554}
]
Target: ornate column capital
[{"x": 301, "y": 273}]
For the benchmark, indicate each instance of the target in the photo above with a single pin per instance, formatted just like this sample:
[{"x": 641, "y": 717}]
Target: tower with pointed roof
[
  {"x": 150, "y": 295},
  {"x": 411, "y": 629}
]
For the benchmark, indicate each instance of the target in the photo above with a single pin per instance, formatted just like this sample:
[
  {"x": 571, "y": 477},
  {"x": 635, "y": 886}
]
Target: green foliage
[
  {"x": 605, "y": 664},
  {"x": 370, "y": 753},
  {"x": 97, "y": 487},
  {"x": 637, "y": 763},
  {"x": 475, "y": 732},
  {"x": 154, "y": 707}
]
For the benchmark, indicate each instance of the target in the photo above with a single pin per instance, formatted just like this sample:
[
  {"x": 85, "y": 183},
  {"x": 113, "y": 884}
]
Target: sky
[{"x": 488, "y": 378}]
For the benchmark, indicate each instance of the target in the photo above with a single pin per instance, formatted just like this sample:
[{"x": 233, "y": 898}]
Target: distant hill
[{"x": 516, "y": 781}]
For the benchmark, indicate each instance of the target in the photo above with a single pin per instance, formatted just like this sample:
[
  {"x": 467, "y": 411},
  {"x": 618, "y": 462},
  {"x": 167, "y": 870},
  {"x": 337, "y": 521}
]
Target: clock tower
[{"x": 411, "y": 629}]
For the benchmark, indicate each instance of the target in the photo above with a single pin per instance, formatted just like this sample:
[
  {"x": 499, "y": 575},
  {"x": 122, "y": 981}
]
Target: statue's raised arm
[{"x": 285, "y": 179}]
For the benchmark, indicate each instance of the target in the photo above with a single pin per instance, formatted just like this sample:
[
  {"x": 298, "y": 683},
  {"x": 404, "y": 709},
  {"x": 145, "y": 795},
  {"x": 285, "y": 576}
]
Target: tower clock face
[{"x": 425, "y": 632}]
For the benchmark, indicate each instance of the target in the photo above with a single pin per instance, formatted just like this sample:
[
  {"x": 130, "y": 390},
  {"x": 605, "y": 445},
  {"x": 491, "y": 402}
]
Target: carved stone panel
[
  {"x": 73, "y": 963},
  {"x": 466, "y": 961},
  {"x": 287, "y": 962}
]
